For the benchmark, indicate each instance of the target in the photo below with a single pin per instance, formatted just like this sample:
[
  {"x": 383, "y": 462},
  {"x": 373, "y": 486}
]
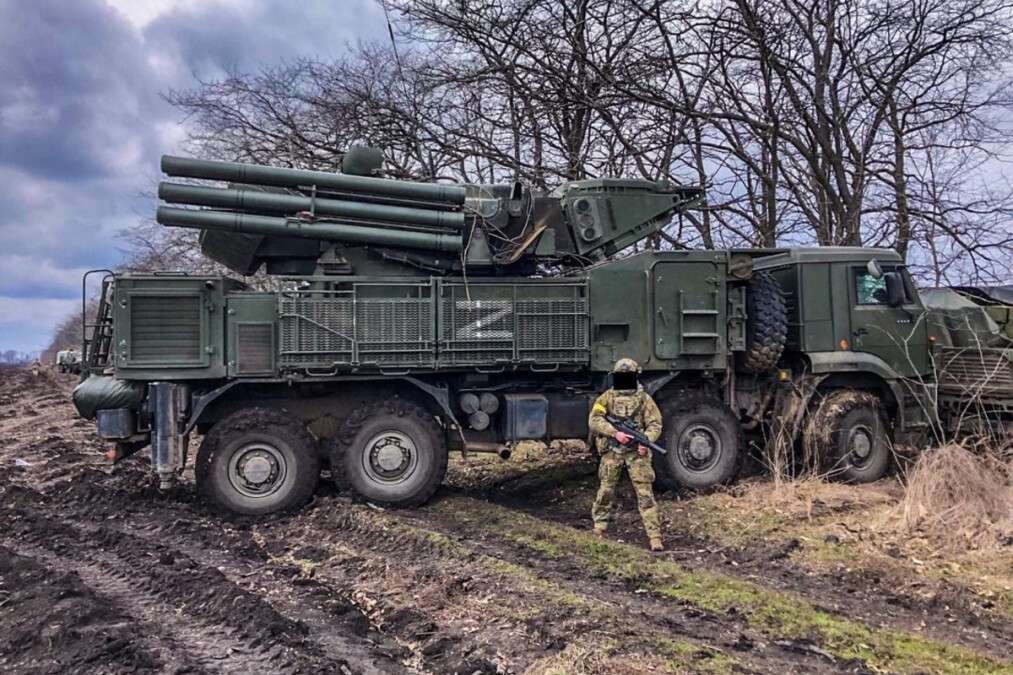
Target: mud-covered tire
[
  {"x": 767, "y": 325},
  {"x": 257, "y": 461},
  {"x": 703, "y": 441},
  {"x": 390, "y": 452},
  {"x": 848, "y": 436}
]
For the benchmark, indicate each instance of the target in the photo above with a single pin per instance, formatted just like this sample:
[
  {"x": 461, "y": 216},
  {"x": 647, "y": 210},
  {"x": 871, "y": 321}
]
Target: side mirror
[
  {"x": 895, "y": 294},
  {"x": 875, "y": 271}
]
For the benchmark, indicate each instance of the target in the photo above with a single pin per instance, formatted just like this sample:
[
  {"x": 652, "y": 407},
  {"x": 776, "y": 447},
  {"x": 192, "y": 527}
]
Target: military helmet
[{"x": 626, "y": 366}]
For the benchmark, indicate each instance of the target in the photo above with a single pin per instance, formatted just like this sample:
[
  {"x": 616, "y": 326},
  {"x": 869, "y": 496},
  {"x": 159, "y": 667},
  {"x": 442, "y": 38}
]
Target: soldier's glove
[
  {"x": 621, "y": 438},
  {"x": 642, "y": 450}
]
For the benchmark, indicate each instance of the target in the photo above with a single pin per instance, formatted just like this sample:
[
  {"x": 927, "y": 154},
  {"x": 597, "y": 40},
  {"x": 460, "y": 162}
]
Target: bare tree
[{"x": 810, "y": 121}]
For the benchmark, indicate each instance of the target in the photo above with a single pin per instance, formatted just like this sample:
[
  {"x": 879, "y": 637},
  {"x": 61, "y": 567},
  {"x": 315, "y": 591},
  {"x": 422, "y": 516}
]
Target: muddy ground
[{"x": 100, "y": 573}]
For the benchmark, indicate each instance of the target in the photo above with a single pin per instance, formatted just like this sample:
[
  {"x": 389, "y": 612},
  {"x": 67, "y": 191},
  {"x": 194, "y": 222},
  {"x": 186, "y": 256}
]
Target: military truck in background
[
  {"x": 68, "y": 361},
  {"x": 997, "y": 302},
  {"x": 409, "y": 320}
]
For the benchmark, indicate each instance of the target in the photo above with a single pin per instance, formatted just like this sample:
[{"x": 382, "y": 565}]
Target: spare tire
[{"x": 767, "y": 326}]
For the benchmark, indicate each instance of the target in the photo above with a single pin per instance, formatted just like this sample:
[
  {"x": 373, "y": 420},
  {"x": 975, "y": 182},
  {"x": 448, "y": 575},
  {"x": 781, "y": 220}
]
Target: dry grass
[
  {"x": 809, "y": 496},
  {"x": 958, "y": 499}
]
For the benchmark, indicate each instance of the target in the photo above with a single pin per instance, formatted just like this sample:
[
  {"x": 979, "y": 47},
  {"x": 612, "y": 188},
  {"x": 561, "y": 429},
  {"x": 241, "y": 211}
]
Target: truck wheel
[
  {"x": 848, "y": 435},
  {"x": 390, "y": 452},
  {"x": 702, "y": 438},
  {"x": 257, "y": 461},
  {"x": 767, "y": 326}
]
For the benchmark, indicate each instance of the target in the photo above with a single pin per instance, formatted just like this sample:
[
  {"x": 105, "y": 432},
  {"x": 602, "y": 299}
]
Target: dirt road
[{"x": 99, "y": 572}]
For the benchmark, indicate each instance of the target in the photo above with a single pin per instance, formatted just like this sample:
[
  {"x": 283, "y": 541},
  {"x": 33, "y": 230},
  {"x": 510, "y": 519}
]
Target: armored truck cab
[{"x": 858, "y": 323}]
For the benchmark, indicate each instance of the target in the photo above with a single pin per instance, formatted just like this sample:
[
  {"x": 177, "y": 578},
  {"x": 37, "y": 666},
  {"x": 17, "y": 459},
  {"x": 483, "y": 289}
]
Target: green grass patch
[{"x": 683, "y": 657}]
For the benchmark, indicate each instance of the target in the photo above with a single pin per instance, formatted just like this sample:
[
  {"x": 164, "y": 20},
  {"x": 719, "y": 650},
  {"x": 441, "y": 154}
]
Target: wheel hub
[
  {"x": 391, "y": 456},
  {"x": 861, "y": 444},
  {"x": 257, "y": 470},
  {"x": 699, "y": 447}
]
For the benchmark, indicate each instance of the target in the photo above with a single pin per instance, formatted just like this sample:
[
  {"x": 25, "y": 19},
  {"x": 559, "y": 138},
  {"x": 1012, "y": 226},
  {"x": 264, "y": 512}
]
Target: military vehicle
[
  {"x": 68, "y": 361},
  {"x": 408, "y": 320},
  {"x": 997, "y": 301}
]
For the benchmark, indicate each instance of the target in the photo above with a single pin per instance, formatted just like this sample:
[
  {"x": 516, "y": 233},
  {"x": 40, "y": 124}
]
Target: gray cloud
[{"x": 83, "y": 123}]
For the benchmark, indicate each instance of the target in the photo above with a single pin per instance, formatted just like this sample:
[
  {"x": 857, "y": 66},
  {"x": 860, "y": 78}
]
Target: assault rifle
[{"x": 637, "y": 436}]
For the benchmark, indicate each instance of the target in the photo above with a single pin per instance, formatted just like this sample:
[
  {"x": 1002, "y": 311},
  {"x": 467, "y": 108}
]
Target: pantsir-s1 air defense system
[{"x": 411, "y": 319}]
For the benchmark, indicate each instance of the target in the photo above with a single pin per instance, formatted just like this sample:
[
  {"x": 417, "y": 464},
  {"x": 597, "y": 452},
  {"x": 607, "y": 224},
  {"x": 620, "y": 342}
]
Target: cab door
[{"x": 896, "y": 334}]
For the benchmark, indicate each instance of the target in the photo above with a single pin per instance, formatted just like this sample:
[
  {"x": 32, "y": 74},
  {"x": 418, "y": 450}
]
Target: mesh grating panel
[
  {"x": 165, "y": 328},
  {"x": 483, "y": 325},
  {"x": 254, "y": 348},
  {"x": 974, "y": 372},
  {"x": 385, "y": 332},
  {"x": 519, "y": 323},
  {"x": 316, "y": 332},
  {"x": 476, "y": 331},
  {"x": 394, "y": 332}
]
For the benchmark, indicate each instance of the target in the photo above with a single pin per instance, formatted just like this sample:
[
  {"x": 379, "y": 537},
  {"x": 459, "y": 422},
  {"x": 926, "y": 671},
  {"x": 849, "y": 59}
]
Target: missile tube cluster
[{"x": 313, "y": 204}]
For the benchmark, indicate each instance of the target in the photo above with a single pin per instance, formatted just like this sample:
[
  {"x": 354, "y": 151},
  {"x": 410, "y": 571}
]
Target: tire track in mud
[
  {"x": 185, "y": 532},
  {"x": 369, "y": 543},
  {"x": 189, "y": 607},
  {"x": 333, "y": 621},
  {"x": 54, "y": 622},
  {"x": 640, "y": 623},
  {"x": 173, "y": 642},
  {"x": 342, "y": 573}
]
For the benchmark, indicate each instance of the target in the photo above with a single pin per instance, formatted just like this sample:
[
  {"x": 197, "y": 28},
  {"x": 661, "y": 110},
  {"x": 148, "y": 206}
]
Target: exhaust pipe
[{"x": 498, "y": 448}]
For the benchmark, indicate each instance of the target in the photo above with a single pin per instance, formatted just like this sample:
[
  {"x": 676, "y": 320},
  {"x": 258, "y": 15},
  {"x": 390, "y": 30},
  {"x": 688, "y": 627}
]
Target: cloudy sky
[{"x": 83, "y": 124}]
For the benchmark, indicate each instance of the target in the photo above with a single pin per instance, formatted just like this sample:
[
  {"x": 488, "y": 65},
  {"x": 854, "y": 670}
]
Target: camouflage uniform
[{"x": 640, "y": 409}]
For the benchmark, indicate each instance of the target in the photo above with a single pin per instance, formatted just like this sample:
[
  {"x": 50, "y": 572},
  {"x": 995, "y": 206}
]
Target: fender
[
  {"x": 915, "y": 407},
  {"x": 851, "y": 362},
  {"x": 438, "y": 395}
]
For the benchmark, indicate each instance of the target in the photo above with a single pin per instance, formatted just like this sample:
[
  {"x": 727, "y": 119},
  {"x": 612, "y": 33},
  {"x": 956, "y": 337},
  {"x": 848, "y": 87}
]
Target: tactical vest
[{"x": 625, "y": 407}]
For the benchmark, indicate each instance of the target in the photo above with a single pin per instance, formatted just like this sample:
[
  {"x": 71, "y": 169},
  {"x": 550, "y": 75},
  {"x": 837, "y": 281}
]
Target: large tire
[
  {"x": 848, "y": 436},
  {"x": 703, "y": 441},
  {"x": 390, "y": 452},
  {"x": 767, "y": 326},
  {"x": 257, "y": 461}
]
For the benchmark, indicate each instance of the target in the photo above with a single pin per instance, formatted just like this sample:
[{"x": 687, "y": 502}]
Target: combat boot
[{"x": 657, "y": 544}]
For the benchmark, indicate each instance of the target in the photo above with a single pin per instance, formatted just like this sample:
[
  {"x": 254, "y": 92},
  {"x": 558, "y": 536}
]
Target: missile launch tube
[
  {"x": 255, "y": 200},
  {"x": 281, "y": 227},
  {"x": 258, "y": 174}
]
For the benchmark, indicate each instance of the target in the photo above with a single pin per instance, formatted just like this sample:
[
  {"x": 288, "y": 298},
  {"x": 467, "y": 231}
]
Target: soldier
[{"x": 626, "y": 400}]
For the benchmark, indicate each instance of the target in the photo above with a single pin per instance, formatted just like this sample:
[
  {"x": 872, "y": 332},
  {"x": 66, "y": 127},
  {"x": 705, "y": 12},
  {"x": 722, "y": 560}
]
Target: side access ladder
[{"x": 96, "y": 348}]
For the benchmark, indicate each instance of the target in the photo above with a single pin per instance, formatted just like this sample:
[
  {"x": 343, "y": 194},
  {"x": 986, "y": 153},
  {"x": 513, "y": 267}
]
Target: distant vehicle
[
  {"x": 415, "y": 319},
  {"x": 68, "y": 361}
]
